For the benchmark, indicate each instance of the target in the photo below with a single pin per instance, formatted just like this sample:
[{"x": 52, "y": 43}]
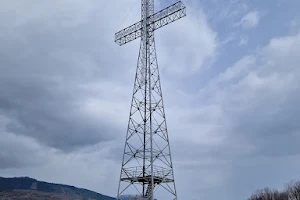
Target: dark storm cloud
[
  {"x": 44, "y": 63},
  {"x": 48, "y": 110}
]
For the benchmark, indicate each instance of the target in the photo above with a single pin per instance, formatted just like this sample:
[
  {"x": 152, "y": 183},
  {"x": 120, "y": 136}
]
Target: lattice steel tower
[{"x": 147, "y": 164}]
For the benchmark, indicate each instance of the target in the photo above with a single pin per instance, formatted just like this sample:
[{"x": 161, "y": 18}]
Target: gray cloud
[
  {"x": 48, "y": 109},
  {"x": 46, "y": 61},
  {"x": 17, "y": 151},
  {"x": 65, "y": 91}
]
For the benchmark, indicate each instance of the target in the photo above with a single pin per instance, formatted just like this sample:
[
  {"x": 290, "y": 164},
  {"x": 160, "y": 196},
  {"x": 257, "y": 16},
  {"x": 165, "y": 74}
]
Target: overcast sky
[{"x": 230, "y": 79}]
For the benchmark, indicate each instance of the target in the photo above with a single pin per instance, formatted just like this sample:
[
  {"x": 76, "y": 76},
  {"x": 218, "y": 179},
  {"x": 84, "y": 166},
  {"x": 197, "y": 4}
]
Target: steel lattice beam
[{"x": 159, "y": 19}]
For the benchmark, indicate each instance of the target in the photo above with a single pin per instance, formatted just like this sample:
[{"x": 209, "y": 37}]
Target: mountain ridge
[{"x": 31, "y": 184}]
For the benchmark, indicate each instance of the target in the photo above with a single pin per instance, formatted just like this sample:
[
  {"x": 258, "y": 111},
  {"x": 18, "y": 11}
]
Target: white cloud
[
  {"x": 243, "y": 41},
  {"x": 293, "y": 23},
  {"x": 273, "y": 68},
  {"x": 237, "y": 112},
  {"x": 250, "y": 20},
  {"x": 187, "y": 47},
  {"x": 240, "y": 68}
]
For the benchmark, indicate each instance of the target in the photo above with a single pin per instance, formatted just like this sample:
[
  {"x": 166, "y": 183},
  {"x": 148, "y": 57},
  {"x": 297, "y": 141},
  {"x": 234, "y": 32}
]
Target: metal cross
[{"x": 147, "y": 163}]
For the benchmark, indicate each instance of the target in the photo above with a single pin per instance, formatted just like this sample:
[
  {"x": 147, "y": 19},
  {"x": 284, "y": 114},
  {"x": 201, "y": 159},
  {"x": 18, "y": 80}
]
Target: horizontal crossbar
[{"x": 158, "y": 20}]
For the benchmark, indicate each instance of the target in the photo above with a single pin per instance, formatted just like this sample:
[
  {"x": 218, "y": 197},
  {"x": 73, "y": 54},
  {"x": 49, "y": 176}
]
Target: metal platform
[
  {"x": 147, "y": 179},
  {"x": 135, "y": 175}
]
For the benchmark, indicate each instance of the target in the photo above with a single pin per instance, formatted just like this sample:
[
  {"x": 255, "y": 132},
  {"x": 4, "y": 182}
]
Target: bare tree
[
  {"x": 280, "y": 195},
  {"x": 263, "y": 194},
  {"x": 293, "y": 190},
  {"x": 256, "y": 195},
  {"x": 268, "y": 194}
]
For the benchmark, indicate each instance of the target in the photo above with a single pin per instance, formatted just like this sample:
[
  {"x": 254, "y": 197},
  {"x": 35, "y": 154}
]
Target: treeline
[{"x": 291, "y": 192}]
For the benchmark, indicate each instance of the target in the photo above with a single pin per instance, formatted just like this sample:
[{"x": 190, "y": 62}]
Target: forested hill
[{"x": 8, "y": 185}]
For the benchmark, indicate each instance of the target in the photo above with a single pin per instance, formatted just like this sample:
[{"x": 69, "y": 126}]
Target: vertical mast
[
  {"x": 144, "y": 61},
  {"x": 147, "y": 34}
]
